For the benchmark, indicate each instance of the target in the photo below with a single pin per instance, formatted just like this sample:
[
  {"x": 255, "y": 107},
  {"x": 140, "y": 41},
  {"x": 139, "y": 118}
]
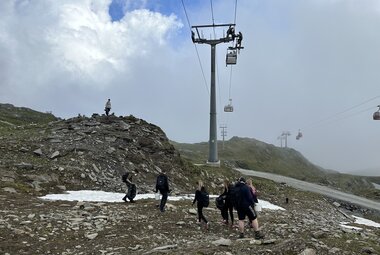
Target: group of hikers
[{"x": 241, "y": 196}]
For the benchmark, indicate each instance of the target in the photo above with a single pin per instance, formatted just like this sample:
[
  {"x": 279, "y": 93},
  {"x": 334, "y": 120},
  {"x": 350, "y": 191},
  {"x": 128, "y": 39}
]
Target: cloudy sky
[{"x": 312, "y": 65}]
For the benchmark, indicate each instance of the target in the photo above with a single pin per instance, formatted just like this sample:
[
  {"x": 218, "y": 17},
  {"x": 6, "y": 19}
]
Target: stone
[
  {"x": 91, "y": 236},
  {"x": 38, "y": 152},
  {"x": 24, "y": 165},
  {"x": 308, "y": 251},
  {"x": 55, "y": 155},
  {"x": 368, "y": 250},
  {"x": 137, "y": 247},
  {"x": 9, "y": 190},
  {"x": 336, "y": 204},
  {"x": 192, "y": 211},
  {"x": 222, "y": 242}
]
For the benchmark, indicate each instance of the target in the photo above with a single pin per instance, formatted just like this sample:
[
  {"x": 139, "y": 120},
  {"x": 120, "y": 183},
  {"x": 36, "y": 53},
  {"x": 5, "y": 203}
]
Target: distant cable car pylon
[{"x": 376, "y": 115}]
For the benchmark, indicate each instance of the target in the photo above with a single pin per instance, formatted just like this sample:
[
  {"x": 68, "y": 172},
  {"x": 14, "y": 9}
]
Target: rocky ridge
[{"x": 88, "y": 153}]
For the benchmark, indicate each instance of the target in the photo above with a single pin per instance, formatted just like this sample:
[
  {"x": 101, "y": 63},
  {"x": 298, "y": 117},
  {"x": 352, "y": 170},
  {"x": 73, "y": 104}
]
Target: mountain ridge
[{"x": 250, "y": 153}]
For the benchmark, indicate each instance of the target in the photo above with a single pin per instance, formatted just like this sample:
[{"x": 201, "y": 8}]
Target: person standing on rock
[
  {"x": 202, "y": 199},
  {"x": 131, "y": 193},
  {"x": 162, "y": 185},
  {"x": 244, "y": 205},
  {"x": 107, "y": 108}
]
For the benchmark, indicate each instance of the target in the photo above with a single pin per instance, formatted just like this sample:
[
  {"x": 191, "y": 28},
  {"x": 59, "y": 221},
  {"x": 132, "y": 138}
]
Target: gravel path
[{"x": 315, "y": 188}]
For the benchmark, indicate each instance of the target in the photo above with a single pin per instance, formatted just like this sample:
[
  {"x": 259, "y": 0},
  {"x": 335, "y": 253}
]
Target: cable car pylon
[{"x": 197, "y": 38}]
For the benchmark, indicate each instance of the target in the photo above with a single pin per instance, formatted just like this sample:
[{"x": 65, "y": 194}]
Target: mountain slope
[
  {"x": 252, "y": 154},
  {"x": 12, "y": 116}
]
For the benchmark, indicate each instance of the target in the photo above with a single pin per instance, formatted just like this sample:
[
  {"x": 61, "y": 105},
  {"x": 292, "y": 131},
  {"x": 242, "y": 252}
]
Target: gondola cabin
[
  {"x": 299, "y": 135},
  {"x": 228, "y": 108},
  {"x": 231, "y": 56},
  {"x": 376, "y": 115}
]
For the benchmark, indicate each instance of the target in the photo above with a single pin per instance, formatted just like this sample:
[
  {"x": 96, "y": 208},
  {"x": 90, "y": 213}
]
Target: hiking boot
[
  {"x": 259, "y": 235},
  {"x": 241, "y": 235}
]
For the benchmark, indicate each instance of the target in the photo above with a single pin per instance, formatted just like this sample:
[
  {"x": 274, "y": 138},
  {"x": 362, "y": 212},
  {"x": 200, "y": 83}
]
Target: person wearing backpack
[
  {"x": 162, "y": 185},
  {"x": 202, "y": 199},
  {"x": 244, "y": 206},
  {"x": 131, "y": 193}
]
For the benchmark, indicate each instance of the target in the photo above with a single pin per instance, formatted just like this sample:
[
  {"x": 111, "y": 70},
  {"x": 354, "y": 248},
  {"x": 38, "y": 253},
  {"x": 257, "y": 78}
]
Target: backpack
[
  {"x": 161, "y": 182},
  {"x": 131, "y": 191},
  {"x": 204, "y": 199},
  {"x": 235, "y": 195},
  {"x": 219, "y": 202}
]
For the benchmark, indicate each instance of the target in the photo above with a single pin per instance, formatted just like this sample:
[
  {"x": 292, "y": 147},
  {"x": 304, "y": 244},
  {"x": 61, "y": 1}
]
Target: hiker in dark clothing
[
  {"x": 201, "y": 202},
  {"x": 162, "y": 185},
  {"x": 244, "y": 206},
  {"x": 228, "y": 203},
  {"x": 131, "y": 193}
]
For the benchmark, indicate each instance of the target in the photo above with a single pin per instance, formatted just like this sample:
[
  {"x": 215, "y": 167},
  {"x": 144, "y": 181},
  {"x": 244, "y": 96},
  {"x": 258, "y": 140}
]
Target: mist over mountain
[{"x": 367, "y": 172}]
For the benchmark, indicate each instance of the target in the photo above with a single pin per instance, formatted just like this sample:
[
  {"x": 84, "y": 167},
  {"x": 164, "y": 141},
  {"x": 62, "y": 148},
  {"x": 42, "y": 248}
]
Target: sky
[
  {"x": 113, "y": 197},
  {"x": 311, "y": 65}
]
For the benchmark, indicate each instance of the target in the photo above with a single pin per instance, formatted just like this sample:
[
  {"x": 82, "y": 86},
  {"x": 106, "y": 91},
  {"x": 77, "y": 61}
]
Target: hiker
[
  {"x": 253, "y": 190},
  {"x": 107, "y": 108},
  {"x": 255, "y": 200},
  {"x": 131, "y": 193},
  {"x": 202, "y": 199},
  {"x": 228, "y": 203},
  {"x": 244, "y": 205},
  {"x": 162, "y": 185}
]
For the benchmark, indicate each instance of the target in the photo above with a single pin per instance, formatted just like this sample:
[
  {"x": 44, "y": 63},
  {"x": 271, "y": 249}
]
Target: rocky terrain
[
  {"x": 92, "y": 153},
  {"x": 309, "y": 225}
]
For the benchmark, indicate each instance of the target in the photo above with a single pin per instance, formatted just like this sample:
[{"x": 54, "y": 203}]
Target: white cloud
[
  {"x": 52, "y": 43},
  {"x": 303, "y": 61}
]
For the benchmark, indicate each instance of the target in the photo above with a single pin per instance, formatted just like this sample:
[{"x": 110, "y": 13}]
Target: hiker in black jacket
[
  {"x": 228, "y": 202},
  {"x": 200, "y": 194},
  {"x": 162, "y": 185},
  {"x": 244, "y": 202},
  {"x": 131, "y": 193}
]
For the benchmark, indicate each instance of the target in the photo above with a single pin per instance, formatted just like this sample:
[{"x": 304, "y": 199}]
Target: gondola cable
[{"x": 196, "y": 50}]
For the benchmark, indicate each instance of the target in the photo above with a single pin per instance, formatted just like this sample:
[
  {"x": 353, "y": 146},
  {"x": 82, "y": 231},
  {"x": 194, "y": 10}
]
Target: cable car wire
[
  {"x": 235, "y": 11},
  {"x": 196, "y": 49},
  {"x": 353, "y": 114},
  {"x": 229, "y": 90},
  {"x": 339, "y": 113},
  {"x": 212, "y": 14}
]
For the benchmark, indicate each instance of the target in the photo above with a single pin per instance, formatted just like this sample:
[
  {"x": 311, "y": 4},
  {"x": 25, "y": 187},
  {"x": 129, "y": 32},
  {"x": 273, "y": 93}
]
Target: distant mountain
[
  {"x": 368, "y": 172},
  {"x": 11, "y": 115},
  {"x": 252, "y": 154}
]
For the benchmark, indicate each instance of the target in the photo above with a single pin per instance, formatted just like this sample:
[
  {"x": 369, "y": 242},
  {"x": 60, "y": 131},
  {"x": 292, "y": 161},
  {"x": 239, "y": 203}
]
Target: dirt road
[{"x": 336, "y": 194}]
